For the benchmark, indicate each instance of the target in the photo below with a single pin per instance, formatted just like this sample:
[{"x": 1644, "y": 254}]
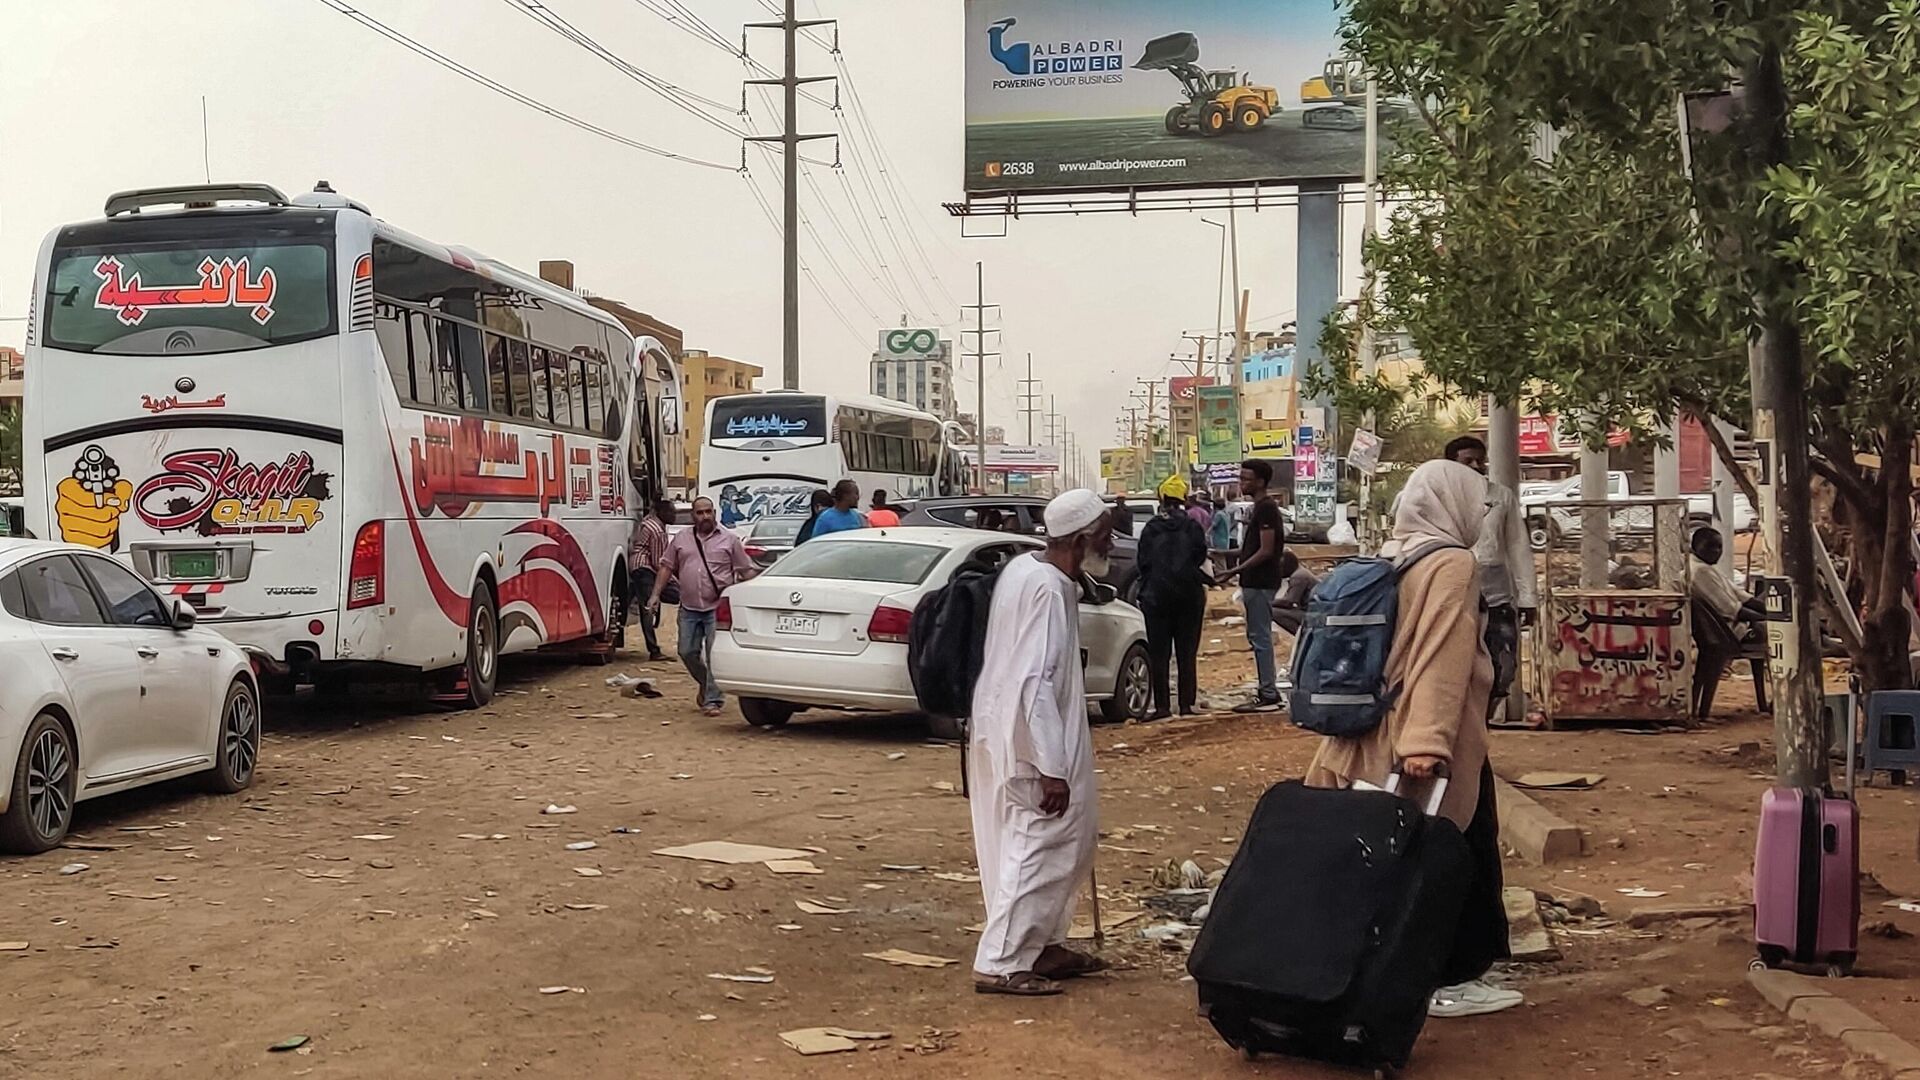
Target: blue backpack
[{"x": 1340, "y": 658}]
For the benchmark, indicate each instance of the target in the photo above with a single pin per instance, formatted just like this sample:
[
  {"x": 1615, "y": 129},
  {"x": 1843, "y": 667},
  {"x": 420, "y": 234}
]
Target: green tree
[{"x": 1599, "y": 282}]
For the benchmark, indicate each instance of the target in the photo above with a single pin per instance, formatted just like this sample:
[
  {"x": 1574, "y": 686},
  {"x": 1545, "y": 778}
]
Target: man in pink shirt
[{"x": 704, "y": 560}]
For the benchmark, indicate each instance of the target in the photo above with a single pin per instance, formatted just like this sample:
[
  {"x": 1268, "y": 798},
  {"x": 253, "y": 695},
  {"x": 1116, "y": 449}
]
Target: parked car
[
  {"x": 771, "y": 537},
  {"x": 827, "y": 626},
  {"x": 1023, "y": 514},
  {"x": 1546, "y": 523},
  {"x": 108, "y": 687}
]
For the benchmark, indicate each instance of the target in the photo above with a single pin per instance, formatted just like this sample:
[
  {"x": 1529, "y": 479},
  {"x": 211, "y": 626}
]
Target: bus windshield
[
  {"x": 190, "y": 286},
  {"x": 789, "y": 421}
]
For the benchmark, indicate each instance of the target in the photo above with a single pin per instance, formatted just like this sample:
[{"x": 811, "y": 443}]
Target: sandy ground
[{"x": 392, "y": 890}]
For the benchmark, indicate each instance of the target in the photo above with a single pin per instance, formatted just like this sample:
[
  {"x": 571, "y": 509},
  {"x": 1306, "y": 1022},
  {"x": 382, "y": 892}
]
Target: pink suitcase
[{"x": 1806, "y": 876}]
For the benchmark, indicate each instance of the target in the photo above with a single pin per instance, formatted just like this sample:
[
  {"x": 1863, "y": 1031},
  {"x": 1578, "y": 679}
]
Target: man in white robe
[{"x": 1030, "y": 758}]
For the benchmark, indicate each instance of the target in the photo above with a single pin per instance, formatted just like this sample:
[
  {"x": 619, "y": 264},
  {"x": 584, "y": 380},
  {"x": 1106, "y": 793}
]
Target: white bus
[
  {"x": 341, "y": 444},
  {"x": 765, "y": 454}
]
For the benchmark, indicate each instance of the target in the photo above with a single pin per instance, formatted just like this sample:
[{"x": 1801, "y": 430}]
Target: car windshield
[
  {"x": 859, "y": 560},
  {"x": 780, "y": 528}
]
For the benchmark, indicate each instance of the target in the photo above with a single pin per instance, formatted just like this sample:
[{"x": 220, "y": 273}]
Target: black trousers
[
  {"x": 642, "y": 589},
  {"x": 1483, "y": 923},
  {"x": 1173, "y": 632}
]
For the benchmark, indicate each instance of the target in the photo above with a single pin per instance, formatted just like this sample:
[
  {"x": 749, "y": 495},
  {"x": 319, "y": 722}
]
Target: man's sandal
[
  {"x": 1019, "y": 984},
  {"x": 1076, "y": 965}
]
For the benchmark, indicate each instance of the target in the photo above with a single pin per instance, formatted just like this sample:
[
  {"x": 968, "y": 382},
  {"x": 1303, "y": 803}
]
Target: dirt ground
[{"x": 391, "y": 889}]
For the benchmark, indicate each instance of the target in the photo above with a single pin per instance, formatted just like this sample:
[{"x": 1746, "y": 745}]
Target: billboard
[
  {"x": 1220, "y": 439},
  {"x": 1003, "y": 458},
  {"x": 1271, "y": 443},
  {"x": 1106, "y": 94},
  {"x": 902, "y": 343},
  {"x": 1181, "y": 388},
  {"x": 1117, "y": 464}
]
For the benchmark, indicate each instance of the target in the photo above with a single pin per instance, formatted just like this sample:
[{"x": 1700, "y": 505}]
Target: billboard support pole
[{"x": 1317, "y": 280}]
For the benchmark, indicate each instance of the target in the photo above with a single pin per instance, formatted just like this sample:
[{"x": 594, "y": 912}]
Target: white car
[
  {"x": 826, "y": 627},
  {"x": 107, "y": 687}
]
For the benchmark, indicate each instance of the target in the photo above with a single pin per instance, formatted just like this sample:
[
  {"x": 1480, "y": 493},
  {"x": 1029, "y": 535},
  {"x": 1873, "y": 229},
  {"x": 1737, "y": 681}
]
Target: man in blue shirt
[{"x": 842, "y": 516}]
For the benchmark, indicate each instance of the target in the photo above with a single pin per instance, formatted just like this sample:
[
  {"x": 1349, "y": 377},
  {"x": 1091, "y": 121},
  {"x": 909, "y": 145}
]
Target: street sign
[
  {"x": 1005, "y": 458},
  {"x": 1364, "y": 454}
]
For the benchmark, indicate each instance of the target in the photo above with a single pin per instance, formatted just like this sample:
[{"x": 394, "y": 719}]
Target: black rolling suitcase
[{"x": 1331, "y": 928}]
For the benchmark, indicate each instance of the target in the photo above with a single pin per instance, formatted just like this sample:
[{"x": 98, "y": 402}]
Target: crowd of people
[{"x": 1030, "y": 760}]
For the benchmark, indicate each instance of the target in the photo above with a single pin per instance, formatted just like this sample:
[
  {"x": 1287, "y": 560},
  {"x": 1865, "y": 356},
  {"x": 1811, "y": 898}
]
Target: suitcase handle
[{"x": 1434, "y": 798}]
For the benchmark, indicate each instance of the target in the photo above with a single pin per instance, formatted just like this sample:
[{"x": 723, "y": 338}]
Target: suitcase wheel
[
  {"x": 1758, "y": 964},
  {"x": 1839, "y": 969}
]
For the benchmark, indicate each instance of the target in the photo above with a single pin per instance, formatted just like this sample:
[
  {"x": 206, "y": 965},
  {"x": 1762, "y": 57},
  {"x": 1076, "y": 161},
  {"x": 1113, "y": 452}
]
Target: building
[
  {"x": 12, "y": 386},
  {"x": 915, "y": 367},
  {"x": 703, "y": 377}
]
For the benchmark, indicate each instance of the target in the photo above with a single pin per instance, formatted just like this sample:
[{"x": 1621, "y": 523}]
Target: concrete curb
[
  {"x": 1533, "y": 830},
  {"x": 1806, "y": 1000}
]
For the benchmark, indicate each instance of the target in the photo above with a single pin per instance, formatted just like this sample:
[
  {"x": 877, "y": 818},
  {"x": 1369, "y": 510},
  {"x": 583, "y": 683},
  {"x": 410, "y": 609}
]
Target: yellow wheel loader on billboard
[
  {"x": 1217, "y": 101},
  {"x": 1336, "y": 99}
]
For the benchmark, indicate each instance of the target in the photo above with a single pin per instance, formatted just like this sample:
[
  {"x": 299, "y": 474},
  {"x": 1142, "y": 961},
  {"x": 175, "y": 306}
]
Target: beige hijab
[{"x": 1444, "y": 502}]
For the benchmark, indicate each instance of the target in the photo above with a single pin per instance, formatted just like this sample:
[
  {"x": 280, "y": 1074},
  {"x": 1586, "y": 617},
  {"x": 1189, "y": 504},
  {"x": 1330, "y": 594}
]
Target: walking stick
[{"x": 1099, "y": 931}]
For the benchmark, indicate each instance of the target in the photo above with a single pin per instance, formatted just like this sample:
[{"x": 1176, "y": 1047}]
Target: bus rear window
[
  {"x": 740, "y": 422},
  {"x": 175, "y": 297}
]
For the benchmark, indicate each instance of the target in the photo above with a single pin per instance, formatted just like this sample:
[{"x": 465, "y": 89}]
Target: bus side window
[
  {"x": 390, "y": 329},
  {"x": 560, "y": 386},
  {"x": 420, "y": 351},
  {"x": 446, "y": 365},
  {"x": 542, "y": 385},
  {"x": 497, "y": 375},
  {"x": 595, "y": 379},
  {"x": 473, "y": 367},
  {"x": 520, "y": 375}
]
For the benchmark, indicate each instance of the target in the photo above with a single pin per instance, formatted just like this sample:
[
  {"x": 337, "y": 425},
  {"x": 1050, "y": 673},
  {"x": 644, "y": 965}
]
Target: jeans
[
  {"x": 1173, "y": 633},
  {"x": 641, "y": 591},
  {"x": 1258, "y": 604},
  {"x": 1503, "y": 644},
  {"x": 696, "y": 651}
]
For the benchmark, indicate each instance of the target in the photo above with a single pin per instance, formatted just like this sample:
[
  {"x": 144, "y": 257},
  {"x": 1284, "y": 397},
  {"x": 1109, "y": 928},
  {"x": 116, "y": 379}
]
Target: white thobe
[{"x": 1029, "y": 721}]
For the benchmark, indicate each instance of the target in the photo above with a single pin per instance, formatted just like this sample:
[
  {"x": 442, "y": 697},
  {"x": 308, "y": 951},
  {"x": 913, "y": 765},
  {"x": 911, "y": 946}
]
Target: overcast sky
[{"x": 98, "y": 96}]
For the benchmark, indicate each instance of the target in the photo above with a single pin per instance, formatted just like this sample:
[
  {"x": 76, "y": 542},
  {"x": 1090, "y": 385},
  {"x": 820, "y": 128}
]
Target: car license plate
[
  {"x": 192, "y": 565},
  {"x": 809, "y": 625}
]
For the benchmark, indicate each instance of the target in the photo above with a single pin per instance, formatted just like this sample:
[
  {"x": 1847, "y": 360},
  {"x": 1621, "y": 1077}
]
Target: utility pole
[
  {"x": 790, "y": 140},
  {"x": 1200, "y": 357},
  {"x": 1780, "y": 434},
  {"x": 979, "y": 331},
  {"x": 1028, "y": 397}
]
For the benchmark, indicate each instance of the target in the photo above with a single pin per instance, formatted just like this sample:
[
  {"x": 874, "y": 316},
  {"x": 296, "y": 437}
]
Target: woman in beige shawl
[{"x": 1440, "y": 663}]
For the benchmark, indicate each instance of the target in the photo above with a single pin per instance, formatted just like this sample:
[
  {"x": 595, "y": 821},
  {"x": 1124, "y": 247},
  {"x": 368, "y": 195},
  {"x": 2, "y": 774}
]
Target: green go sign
[{"x": 910, "y": 344}]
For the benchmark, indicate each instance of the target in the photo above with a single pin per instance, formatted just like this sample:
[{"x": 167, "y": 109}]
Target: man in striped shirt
[{"x": 649, "y": 545}]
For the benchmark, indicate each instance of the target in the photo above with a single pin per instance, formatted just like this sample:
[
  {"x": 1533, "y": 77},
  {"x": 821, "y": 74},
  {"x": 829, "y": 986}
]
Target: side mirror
[
  {"x": 184, "y": 617},
  {"x": 1104, "y": 593}
]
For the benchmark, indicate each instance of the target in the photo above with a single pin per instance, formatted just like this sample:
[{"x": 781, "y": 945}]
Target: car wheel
[
  {"x": 483, "y": 647},
  {"x": 239, "y": 748},
  {"x": 767, "y": 713},
  {"x": 616, "y": 636},
  {"x": 947, "y": 728},
  {"x": 1132, "y": 690},
  {"x": 44, "y": 781}
]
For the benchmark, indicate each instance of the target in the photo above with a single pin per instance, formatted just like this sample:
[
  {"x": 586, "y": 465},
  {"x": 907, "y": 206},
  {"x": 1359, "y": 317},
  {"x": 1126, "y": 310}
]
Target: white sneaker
[{"x": 1476, "y": 998}]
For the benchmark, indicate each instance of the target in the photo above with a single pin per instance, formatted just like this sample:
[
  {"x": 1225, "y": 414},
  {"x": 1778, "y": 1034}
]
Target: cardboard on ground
[
  {"x": 730, "y": 853},
  {"x": 829, "y": 1040}
]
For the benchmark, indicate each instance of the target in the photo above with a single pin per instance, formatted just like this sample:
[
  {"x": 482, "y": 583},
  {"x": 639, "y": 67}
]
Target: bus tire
[{"x": 483, "y": 646}]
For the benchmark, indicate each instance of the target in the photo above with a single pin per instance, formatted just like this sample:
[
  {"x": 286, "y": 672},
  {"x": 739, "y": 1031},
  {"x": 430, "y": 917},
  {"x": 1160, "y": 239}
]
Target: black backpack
[{"x": 947, "y": 641}]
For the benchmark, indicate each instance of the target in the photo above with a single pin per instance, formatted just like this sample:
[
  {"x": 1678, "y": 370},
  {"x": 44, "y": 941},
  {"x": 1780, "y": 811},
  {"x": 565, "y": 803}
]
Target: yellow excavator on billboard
[
  {"x": 1336, "y": 99},
  {"x": 1217, "y": 101}
]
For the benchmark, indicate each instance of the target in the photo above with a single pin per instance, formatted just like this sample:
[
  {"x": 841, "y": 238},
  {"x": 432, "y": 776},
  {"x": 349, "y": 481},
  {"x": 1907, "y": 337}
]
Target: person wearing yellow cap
[{"x": 1172, "y": 558}]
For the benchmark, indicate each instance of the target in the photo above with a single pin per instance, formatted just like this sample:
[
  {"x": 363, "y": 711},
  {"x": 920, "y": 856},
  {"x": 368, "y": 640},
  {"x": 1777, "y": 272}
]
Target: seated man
[
  {"x": 1296, "y": 584},
  {"x": 1715, "y": 589}
]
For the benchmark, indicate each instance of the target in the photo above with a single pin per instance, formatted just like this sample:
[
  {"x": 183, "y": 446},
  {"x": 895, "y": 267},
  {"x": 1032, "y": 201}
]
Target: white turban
[{"x": 1072, "y": 511}]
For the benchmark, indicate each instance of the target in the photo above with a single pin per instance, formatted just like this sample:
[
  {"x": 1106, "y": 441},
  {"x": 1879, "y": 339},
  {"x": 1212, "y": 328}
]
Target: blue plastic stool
[{"x": 1893, "y": 734}]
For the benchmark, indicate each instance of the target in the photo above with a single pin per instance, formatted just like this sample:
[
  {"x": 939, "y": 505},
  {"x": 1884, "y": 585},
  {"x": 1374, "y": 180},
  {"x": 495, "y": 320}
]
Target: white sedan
[
  {"x": 826, "y": 627},
  {"x": 107, "y": 687}
]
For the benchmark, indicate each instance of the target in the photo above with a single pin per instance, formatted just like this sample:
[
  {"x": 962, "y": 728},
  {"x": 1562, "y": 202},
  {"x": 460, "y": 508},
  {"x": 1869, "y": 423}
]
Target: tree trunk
[{"x": 1885, "y": 564}]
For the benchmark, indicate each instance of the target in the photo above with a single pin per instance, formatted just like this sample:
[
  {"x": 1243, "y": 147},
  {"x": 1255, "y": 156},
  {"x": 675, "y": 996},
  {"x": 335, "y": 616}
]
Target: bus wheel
[{"x": 483, "y": 648}]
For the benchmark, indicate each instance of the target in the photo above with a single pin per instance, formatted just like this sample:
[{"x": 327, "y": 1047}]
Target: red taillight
[
  {"x": 755, "y": 552},
  {"x": 889, "y": 624},
  {"x": 367, "y": 577},
  {"x": 723, "y": 615}
]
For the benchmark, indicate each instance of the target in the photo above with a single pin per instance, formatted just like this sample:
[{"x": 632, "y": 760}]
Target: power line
[
  {"x": 684, "y": 100},
  {"x": 766, "y": 208},
  {"x": 502, "y": 89}
]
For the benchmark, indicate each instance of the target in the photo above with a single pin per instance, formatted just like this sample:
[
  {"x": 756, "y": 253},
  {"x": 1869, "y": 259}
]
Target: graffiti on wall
[{"x": 1618, "y": 656}]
